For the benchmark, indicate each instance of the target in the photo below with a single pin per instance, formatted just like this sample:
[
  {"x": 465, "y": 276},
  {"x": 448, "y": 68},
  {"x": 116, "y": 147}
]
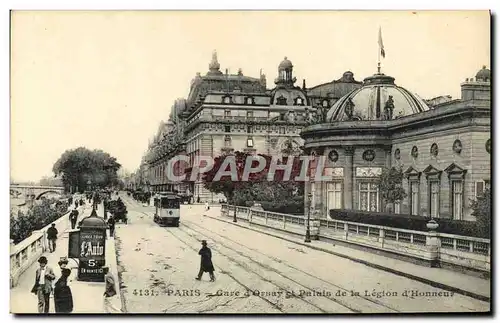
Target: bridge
[{"x": 33, "y": 191}]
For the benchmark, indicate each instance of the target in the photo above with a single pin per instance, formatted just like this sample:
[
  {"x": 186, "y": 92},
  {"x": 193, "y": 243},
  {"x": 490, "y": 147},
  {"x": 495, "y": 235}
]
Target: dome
[
  {"x": 285, "y": 65},
  {"x": 378, "y": 99},
  {"x": 93, "y": 221},
  {"x": 483, "y": 75}
]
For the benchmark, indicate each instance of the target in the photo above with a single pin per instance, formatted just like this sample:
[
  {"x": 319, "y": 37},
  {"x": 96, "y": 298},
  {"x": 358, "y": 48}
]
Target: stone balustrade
[
  {"x": 26, "y": 252},
  {"x": 429, "y": 247}
]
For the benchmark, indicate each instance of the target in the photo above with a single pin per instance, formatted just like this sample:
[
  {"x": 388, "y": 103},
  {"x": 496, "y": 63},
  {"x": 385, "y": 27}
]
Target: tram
[{"x": 167, "y": 209}]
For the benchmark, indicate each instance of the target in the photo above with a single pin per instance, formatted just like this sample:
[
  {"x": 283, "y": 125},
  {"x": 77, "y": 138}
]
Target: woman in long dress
[{"x": 63, "y": 298}]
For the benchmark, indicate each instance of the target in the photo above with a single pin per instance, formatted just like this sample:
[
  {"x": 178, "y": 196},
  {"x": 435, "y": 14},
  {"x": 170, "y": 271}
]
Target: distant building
[{"x": 438, "y": 100}]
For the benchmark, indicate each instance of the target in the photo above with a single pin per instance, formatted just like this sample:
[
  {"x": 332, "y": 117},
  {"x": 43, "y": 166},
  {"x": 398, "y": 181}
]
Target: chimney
[{"x": 304, "y": 84}]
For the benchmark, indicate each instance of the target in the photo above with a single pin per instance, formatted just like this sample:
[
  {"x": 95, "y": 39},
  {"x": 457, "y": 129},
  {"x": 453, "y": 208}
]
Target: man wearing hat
[
  {"x": 206, "y": 262},
  {"x": 43, "y": 285}
]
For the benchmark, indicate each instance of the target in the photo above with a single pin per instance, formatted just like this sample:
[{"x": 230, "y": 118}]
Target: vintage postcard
[{"x": 250, "y": 162}]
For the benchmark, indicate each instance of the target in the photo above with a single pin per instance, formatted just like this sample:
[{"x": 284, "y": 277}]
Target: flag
[{"x": 380, "y": 42}]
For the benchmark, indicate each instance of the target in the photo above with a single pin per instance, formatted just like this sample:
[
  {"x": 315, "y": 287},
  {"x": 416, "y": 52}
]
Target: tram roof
[{"x": 168, "y": 195}]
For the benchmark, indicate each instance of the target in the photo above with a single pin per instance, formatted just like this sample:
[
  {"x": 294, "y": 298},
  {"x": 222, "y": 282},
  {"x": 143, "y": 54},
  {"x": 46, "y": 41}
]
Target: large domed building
[{"x": 444, "y": 150}]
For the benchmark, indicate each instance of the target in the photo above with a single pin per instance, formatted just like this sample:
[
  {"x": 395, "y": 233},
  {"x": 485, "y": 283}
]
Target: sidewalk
[
  {"x": 441, "y": 278},
  {"x": 87, "y": 297}
]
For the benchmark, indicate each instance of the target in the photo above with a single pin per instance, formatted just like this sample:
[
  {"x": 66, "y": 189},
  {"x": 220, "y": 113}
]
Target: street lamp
[
  {"x": 239, "y": 164},
  {"x": 308, "y": 231}
]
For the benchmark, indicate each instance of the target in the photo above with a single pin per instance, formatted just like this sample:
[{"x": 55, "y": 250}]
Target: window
[
  {"x": 282, "y": 130},
  {"x": 249, "y": 100},
  {"x": 249, "y": 129},
  {"x": 249, "y": 142},
  {"x": 226, "y": 99},
  {"x": 434, "y": 199},
  {"x": 227, "y": 128},
  {"x": 227, "y": 141},
  {"x": 334, "y": 195},
  {"x": 397, "y": 208},
  {"x": 368, "y": 197},
  {"x": 227, "y": 113},
  {"x": 249, "y": 114},
  {"x": 414, "y": 197},
  {"x": 433, "y": 176},
  {"x": 479, "y": 188},
  {"x": 457, "y": 188},
  {"x": 281, "y": 100}
]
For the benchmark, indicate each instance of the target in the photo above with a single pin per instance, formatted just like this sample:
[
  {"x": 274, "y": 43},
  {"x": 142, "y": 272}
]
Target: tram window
[{"x": 170, "y": 204}]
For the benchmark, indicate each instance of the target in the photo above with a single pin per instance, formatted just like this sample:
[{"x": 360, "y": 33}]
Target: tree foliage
[
  {"x": 481, "y": 209},
  {"x": 23, "y": 224},
  {"x": 80, "y": 166},
  {"x": 278, "y": 191},
  {"x": 390, "y": 184}
]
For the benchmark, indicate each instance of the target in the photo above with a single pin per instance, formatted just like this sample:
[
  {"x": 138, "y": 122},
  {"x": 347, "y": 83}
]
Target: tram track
[
  {"x": 321, "y": 281},
  {"x": 247, "y": 268},
  {"x": 268, "y": 268}
]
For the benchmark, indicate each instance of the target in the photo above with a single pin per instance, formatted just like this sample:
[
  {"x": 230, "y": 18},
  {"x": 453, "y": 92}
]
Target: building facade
[
  {"x": 233, "y": 112},
  {"x": 444, "y": 150}
]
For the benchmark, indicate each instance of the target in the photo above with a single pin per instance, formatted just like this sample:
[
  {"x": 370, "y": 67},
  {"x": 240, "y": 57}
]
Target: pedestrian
[
  {"x": 109, "y": 292},
  {"x": 207, "y": 207},
  {"x": 81, "y": 202},
  {"x": 73, "y": 218},
  {"x": 206, "y": 262},
  {"x": 52, "y": 237},
  {"x": 111, "y": 223},
  {"x": 63, "y": 298},
  {"x": 76, "y": 204},
  {"x": 43, "y": 285}
]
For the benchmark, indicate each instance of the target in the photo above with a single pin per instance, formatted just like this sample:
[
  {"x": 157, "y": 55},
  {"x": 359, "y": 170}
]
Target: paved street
[{"x": 256, "y": 273}]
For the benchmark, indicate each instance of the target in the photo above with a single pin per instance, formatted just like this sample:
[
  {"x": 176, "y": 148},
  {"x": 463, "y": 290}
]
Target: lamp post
[
  {"x": 308, "y": 231},
  {"x": 239, "y": 164}
]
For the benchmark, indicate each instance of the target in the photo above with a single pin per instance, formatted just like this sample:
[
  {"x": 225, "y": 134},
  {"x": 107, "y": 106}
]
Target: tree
[
  {"x": 258, "y": 187},
  {"x": 79, "y": 166},
  {"x": 390, "y": 184},
  {"x": 481, "y": 209}
]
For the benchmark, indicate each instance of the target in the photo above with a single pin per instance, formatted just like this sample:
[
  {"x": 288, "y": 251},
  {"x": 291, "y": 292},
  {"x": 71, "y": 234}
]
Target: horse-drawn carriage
[{"x": 118, "y": 209}]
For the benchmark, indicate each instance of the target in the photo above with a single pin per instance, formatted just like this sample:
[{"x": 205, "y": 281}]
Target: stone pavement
[
  {"x": 87, "y": 297},
  {"x": 442, "y": 278}
]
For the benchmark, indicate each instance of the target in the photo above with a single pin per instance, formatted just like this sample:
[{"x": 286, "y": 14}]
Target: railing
[
  {"x": 26, "y": 252},
  {"x": 429, "y": 246}
]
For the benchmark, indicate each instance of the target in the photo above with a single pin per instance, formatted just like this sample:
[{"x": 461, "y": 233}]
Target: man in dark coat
[
  {"x": 111, "y": 223},
  {"x": 52, "y": 237},
  {"x": 206, "y": 262}
]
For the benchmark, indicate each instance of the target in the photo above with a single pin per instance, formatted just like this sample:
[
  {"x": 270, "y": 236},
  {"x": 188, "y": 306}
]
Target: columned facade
[{"x": 444, "y": 152}]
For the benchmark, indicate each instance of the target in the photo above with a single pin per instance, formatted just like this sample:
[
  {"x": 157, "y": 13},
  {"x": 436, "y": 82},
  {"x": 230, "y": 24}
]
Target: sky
[{"x": 105, "y": 80}]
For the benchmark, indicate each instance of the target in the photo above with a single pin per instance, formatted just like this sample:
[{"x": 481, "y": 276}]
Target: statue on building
[
  {"x": 349, "y": 109},
  {"x": 389, "y": 108}
]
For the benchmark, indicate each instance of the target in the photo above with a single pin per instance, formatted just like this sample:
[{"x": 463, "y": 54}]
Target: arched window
[{"x": 281, "y": 100}]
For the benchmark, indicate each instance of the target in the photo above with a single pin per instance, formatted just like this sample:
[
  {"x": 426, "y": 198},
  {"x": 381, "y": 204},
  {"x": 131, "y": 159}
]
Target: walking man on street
[
  {"x": 206, "y": 262},
  {"x": 73, "y": 217},
  {"x": 43, "y": 285},
  {"x": 111, "y": 223},
  {"x": 52, "y": 237}
]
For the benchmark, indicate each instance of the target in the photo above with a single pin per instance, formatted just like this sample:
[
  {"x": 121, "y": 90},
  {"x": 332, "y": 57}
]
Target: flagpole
[{"x": 379, "y": 50}]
